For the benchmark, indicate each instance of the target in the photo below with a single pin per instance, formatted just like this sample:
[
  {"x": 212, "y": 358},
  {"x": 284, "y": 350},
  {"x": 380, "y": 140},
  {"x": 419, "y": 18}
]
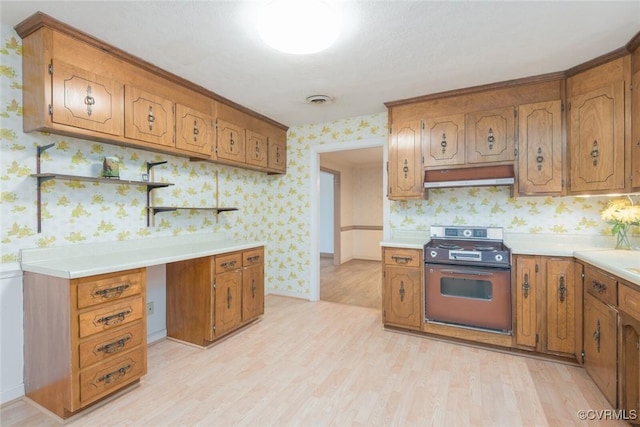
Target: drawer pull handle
[
  {"x": 253, "y": 259},
  {"x": 599, "y": 287},
  {"x": 228, "y": 264},
  {"x": 115, "y": 346},
  {"x": 115, "y": 375},
  {"x": 562, "y": 289},
  {"x": 112, "y": 292},
  {"x": 114, "y": 319},
  {"x": 402, "y": 259},
  {"x": 596, "y": 335}
]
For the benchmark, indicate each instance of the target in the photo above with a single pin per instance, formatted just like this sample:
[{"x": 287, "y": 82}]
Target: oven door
[{"x": 475, "y": 297}]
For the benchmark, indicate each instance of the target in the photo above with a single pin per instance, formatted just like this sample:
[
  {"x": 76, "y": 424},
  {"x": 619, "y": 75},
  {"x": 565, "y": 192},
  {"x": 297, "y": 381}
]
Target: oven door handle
[{"x": 467, "y": 272}]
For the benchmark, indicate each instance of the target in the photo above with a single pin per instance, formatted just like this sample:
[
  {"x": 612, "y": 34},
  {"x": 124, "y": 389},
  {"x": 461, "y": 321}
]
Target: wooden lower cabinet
[
  {"x": 629, "y": 357},
  {"x": 402, "y": 287},
  {"x": 211, "y": 296},
  {"x": 85, "y": 338},
  {"x": 600, "y": 349},
  {"x": 546, "y": 291}
]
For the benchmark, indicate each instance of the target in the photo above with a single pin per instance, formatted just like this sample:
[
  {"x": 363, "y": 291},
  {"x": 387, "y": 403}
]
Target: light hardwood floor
[
  {"x": 327, "y": 364},
  {"x": 356, "y": 282}
]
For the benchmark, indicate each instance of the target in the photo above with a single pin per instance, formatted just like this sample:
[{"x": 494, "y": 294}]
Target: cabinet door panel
[
  {"x": 600, "y": 339},
  {"x": 560, "y": 306},
  {"x": 228, "y": 301},
  {"x": 194, "y": 130},
  {"x": 540, "y": 153},
  {"x": 491, "y": 135},
  {"x": 84, "y": 100},
  {"x": 256, "y": 149},
  {"x": 635, "y": 130},
  {"x": 444, "y": 141},
  {"x": 596, "y": 139},
  {"x": 526, "y": 294},
  {"x": 231, "y": 142},
  {"x": 148, "y": 117},
  {"x": 277, "y": 159},
  {"x": 402, "y": 302},
  {"x": 252, "y": 292},
  {"x": 405, "y": 161}
]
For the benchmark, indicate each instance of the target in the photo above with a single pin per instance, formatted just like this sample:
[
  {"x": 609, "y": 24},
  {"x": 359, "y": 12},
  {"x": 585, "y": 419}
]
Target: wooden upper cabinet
[
  {"x": 540, "y": 152},
  {"x": 491, "y": 136},
  {"x": 148, "y": 117},
  {"x": 85, "y": 100},
  {"x": 277, "y": 158},
  {"x": 257, "y": 151},
  {"x": 76, "y": 85},
  {"x": 230, "y": 141},
  {"x": 444, "y": 141},
  {"x": 635, "y": 129},
  {"x": 597, "y": 126},
  {"x": 405, "y": 161},
  {"x": 596, "y": 135},
  {"x": 194, "y": 130}
]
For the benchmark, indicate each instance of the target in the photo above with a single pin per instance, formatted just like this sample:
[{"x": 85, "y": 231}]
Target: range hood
[{"x": 480, "y": 176}]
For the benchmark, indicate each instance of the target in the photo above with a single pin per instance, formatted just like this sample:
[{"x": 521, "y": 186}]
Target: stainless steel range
[{"x": 468, "y": 278}]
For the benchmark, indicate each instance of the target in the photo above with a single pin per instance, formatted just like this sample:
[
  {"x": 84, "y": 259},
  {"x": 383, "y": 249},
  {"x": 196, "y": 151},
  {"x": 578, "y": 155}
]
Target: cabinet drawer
[
  {"x": 109, "y": 287},
  {"x": 629, "y": 301},
  {"x": 252, "y": 257},
  {"x": 403, "y": 257},
  {"x": 110, "y": 344},
  {"x": 110, "y": 317},
  {"x": 228, "y": 262},
  {"x": 107, "y": 377},
  {"x": 601, "y": 285}
]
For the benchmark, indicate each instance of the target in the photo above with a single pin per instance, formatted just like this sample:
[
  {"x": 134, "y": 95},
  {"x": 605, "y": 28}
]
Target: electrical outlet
[{"x": 149, "y": 308}]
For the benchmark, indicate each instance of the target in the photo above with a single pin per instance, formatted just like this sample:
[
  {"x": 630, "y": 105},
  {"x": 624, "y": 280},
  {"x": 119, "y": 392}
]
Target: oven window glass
[{"x": 466, "y": 288}]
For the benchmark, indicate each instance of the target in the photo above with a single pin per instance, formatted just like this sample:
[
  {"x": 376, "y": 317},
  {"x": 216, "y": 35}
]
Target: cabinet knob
[
  {"x": 562, "y": 289},
  {"x": 594, "y": 153},
  {"x": 539, "y": 158},
  {"x": 89, "y": 101},
  {"x": 491, "y": 139},
  {"x": 195, "y": 131},
  {"x": 525, "y": 286}
]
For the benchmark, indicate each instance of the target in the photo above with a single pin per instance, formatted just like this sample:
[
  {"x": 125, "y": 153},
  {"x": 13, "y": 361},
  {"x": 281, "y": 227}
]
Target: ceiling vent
[{"x": 319, "y": 99}]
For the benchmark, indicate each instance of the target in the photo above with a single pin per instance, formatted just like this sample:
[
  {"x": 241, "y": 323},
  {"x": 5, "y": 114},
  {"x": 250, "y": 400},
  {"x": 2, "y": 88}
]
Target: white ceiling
[{"x": 389, "y": 50}]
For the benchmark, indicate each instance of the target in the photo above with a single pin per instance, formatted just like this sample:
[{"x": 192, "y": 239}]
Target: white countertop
[
  {"x": 624, "y": 264},
  {"x": 89, "y": 259},
  {"x": 593, "y": 249}
]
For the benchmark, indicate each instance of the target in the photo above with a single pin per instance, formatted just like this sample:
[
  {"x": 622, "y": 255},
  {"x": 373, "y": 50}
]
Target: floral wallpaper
[{"x": 274, "y": 209}]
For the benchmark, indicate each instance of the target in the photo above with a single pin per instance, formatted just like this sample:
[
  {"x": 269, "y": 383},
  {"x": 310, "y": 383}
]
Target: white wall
[{"x": 11, "y": 336}]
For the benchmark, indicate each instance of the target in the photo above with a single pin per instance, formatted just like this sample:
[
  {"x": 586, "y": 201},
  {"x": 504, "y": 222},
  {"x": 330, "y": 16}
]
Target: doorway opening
[{"x": 350, "y": 206}]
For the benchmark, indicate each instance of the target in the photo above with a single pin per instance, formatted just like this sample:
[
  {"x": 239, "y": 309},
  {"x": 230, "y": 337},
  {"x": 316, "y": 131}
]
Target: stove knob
[
  {"x": 433, "y": 254},
  {"x": 467, "y": 233},
  {"x": 499, "y": 257}
]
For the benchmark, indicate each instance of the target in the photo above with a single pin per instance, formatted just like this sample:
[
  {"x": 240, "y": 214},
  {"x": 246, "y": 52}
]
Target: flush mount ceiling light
[{"x": 299, "y": 26}]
